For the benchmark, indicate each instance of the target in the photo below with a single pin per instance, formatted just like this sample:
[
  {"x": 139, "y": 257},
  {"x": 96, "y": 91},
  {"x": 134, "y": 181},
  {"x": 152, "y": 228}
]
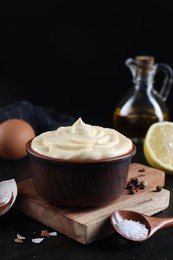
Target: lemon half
[{"x": 158, "y": 146}]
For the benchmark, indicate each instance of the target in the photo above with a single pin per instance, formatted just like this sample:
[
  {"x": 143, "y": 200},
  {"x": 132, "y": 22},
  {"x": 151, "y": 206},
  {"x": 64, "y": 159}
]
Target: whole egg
[{"x": 14, "y": 134}]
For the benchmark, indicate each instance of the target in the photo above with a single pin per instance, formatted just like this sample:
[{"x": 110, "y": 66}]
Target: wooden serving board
[{"x": 87, "y": 225}]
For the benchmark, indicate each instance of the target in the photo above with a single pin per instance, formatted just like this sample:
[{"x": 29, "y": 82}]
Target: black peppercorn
[
  {"x": 134, "y": 181},
  {"x": 132, "y": 190},
  {"x": 129, "y": 185}
]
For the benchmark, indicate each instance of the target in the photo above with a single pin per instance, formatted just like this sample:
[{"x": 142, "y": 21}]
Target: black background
[{"x": 73, "y": 54}]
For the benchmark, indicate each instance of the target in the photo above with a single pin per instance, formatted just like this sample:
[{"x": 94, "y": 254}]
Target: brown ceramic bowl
[{"x": 78, "y": 183}]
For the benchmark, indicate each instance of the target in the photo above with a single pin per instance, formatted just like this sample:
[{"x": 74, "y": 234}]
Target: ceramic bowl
[{"x": 76, "y": 183}]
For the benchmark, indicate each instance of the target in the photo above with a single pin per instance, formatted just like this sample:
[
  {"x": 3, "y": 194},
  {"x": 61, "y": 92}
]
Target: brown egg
[{"x": 14, "y": 133}]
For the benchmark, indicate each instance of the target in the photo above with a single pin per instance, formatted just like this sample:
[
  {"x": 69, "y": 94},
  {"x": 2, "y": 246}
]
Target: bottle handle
[{"x": 168, "y": 80}]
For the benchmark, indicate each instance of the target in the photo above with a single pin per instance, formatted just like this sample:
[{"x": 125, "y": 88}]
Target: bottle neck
[{"x": 145, "y": 80}]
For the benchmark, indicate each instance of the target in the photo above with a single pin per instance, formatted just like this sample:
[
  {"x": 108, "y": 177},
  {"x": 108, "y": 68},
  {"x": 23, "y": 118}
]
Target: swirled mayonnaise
[{"x": 81, "y": 141}]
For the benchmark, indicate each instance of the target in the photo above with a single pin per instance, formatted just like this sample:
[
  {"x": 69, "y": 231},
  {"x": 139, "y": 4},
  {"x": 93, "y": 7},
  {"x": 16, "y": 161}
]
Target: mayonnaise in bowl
[{"x": 82, "y": 141}]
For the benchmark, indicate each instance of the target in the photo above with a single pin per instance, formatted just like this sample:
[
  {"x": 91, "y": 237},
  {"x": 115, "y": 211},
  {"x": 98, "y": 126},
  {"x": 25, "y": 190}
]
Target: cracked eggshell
[{"x": 6, "y": 187}]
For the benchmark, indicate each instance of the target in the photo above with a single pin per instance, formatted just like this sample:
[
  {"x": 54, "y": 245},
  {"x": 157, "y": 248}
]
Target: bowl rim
[{"x": 37, "y": 155}]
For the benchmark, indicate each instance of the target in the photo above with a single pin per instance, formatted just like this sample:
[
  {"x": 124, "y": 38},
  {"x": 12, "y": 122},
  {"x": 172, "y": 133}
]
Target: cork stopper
[{"x": 144, "y": 63}]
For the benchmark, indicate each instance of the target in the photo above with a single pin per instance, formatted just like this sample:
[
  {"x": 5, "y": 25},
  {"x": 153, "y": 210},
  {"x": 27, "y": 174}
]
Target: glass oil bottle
[{"x": 143, "y": 105}]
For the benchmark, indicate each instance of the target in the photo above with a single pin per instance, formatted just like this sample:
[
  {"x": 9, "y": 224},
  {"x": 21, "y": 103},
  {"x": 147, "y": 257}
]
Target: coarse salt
[{"x": 132, "y": 229}]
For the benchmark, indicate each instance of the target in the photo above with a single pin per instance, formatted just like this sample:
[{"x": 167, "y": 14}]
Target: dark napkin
[{"x": 41, "y": 118}]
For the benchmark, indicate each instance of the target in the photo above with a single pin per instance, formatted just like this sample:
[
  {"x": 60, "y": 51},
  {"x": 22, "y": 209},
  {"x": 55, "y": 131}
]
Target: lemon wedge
[{"x": 158, "y": 146}]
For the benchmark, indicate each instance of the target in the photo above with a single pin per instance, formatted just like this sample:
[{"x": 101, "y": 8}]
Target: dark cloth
[{"x": 40, "y": 118}]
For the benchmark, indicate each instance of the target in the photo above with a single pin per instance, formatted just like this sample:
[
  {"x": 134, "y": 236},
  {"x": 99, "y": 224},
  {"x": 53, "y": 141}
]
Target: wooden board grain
[{"x": 87, "y": 225}]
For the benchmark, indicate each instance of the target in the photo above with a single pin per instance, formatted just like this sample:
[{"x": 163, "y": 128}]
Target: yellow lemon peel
[{"x": 158, "y": 146}]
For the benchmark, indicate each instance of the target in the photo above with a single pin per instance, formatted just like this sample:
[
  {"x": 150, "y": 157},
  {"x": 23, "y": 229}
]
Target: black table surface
[{"x": 159, "y": 246}]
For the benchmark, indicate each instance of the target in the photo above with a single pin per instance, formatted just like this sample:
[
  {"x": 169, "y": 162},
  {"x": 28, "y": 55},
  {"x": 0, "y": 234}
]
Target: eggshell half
[{"x": 8, "y": 186}]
